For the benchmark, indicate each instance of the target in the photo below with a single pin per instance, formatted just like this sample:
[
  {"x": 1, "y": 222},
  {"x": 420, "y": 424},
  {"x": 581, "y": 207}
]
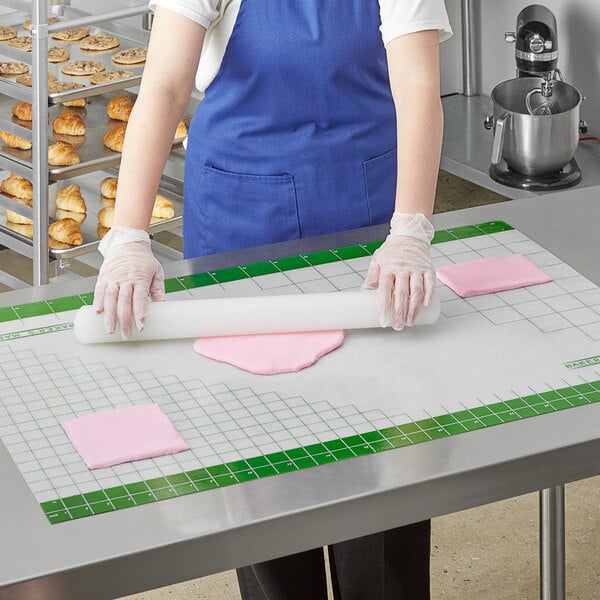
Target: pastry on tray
[
  {"x": 119, "y": 107},
  {"x": 105, "y": 216},
  {"x": 13, "y": 69},
  {"x": 100, "y": 41},
  {"x": 131, "y": 56},
  {"x": 58, "y": 55},
  {"x": 70, "y": 198},
  {"x": 71, "y": 35},
  {"x": 21, "y": 42},
  {"x": 17, "y": 186},
  {"x": 104, "y": 201},
  {"x": 69, "y": 123},
  {"x": 14, "y": 141},
  {"x": 26, "y": 230},
  {"x": 27, "y": 78},
  {"x": 82, "y": 68},
  {"x": 108, "y": 187},
  {"x": 68, "y": 214},
  {"x": 181, "y": 130},
  {"x": 22, "y": 110},
  {"x": 102, "y": 231},
  {"x": 7, "y": 33},
  {"x": 15, "y": 217},
  {"x": 27, "y": 22},
  {"x": 66, "y": 231},
  {"x": 56, "y": 245},
  {"x": 107, "y": 76},
  {"x": 62, "y": 154},
  {"x": 113, "y": 139},
  {"x": 163, "y": 208}
]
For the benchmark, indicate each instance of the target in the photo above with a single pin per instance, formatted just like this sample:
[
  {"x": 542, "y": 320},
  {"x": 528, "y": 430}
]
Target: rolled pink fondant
[
  {"x": 488, "y": 275},
  {"x": 119, "y": 435},
  {"x": 270, "y": 354}
]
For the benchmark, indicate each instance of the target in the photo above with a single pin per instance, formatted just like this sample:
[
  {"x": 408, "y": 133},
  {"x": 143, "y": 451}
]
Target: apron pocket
[
  {"x": 237, "y": 210},
  {"x": 380, "y": 182}
]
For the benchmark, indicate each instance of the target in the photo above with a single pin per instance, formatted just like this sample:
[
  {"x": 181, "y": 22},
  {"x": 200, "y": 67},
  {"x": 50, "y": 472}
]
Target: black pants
[{"x": 390, "y": 565}]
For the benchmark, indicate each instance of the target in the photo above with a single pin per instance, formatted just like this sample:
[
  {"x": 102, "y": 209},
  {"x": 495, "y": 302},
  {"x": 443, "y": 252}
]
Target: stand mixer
[{"x": 536, "y": 115}]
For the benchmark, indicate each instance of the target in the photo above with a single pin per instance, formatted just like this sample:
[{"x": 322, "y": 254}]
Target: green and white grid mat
[{"x": 488, "y": 360}]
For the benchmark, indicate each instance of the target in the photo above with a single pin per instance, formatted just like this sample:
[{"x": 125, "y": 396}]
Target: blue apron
[{"x": 296, "y": 135}]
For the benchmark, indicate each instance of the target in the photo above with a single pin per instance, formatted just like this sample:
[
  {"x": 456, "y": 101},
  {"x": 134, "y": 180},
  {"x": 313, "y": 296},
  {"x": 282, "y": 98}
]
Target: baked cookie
[
  {"x": 81, "y": 68},
  {"x": 70, "y": 199},
  {"x": 131, "y": 56},
  {"x": 12, "y": 69},
  {"x": 22, "y": 42},
  {"x": 17, "y": 186},
  {"x": 107, "y": 76},
  {"x": 113, "y": 139},
  {"x": 119, "y": 107},
  {"x": 62, "y": 154},
  {"x": 58, "y": 55},
  {"x": 100, "y": 41},
  {"x": 27, "y": 22},
  {"x": 71, "y": 35},
  {"x": 7, "y": 33},
  {"x": 14, "y": 141},
  {"x": 108, "y": 187},
  {"x": 27, "y": 78},
  {"x": 66, "y": 231},
  {"x": 69, "y": 123}
]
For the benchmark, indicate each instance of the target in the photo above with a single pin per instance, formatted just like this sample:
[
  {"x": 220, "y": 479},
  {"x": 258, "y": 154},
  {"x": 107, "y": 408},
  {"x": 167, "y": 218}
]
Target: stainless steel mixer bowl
[{"x": 535, "y": 144}]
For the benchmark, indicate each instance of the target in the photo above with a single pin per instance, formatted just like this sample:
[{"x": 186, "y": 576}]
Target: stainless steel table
[{"x": 125, "y": 551}]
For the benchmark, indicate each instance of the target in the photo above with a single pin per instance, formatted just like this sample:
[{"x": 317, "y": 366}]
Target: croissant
[
  {"x": 105, "y": 216},
  {"x": 119, "y": 107},
  {"x": 104, "y": 201},
  {"x": 102, "y": 231},
  {"x": 26, "y": 230},
  {"x": 69, "y": 214},
  {"x": 15, "y": 217},
  {"x": 62, "y": 154},
  {"x": 14, "y": 141},
  {"x": 66, "y": 231},
  {"x": 70, "y": 199},
  {"x": 17, "y": 186},
  {"x": 163, "y": 208},
  {"x": 56, "y": 245},
  {"x": 114, "y": 137},
  {"x": 181, "y": 131},
  {"x": 108, "y": 187},
  {"x": 22, "y": 110},
  {"x": 69, "y": 123}
]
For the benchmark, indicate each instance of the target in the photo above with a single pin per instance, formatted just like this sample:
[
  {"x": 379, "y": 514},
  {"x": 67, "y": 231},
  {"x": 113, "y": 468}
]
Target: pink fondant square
[
  {"x": 119, "y": 435},
  {"x": 488, "y": 275}
]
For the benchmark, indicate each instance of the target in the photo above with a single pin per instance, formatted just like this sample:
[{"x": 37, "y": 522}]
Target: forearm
[{"x": 419, "y": 126}]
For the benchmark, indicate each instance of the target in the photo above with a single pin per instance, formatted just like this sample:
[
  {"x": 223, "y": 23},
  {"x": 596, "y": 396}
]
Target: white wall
[
  {"x": 451, "y": 52},
  {"x": 578, "y": 41}
]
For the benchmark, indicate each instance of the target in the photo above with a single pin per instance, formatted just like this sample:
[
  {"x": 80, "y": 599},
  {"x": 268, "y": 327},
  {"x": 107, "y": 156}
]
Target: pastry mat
[{"x": 519, "y": 354}]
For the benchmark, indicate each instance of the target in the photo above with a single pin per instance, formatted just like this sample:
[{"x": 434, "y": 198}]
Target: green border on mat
[
  {"x": 188, "y": 282},
  {"x": 276, "y": 463}
]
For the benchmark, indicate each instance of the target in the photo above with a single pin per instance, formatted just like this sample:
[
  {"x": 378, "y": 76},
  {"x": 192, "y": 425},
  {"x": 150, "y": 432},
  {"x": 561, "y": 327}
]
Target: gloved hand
[
  {"x": 129, "y": 274},
  {"x": 402, "y": 270}
]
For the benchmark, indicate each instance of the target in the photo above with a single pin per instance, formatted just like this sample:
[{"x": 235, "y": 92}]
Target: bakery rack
[{"x": 33, "y": 164}]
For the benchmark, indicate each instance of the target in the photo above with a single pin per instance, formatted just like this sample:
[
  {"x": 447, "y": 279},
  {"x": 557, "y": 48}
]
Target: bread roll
[
  {"x": 69, "y": 123},
  {"x": 15, "y": 217},
  {"x": 119, "y": 107},
  {"x": 17, "y": 186},
  {"x": 114, "y": 137},
  {"x": 163, "y": 208},
  {"x": 62, "y": 154},
  {"x": 66, "y": 231},
  {"x": 22, "y": 110},
  {"x": 67, "y": 214},
  {"x": 108, "y": 187},
  {"x": 70, "y": 198},
  {"x": 26, "y": 230},
  {"x": 105, "y": 216},
  {"x": 14, "y": 141}
]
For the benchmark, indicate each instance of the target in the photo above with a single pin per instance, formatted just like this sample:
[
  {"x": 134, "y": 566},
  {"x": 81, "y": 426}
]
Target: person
[{"x": 318, "y": 116}]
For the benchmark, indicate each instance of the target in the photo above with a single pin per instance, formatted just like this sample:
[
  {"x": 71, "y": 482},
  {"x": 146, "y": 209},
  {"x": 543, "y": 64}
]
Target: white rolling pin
[{"x": 251, "y": 315}]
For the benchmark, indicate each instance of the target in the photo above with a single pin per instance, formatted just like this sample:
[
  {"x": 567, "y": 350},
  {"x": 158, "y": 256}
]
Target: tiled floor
[{"x": 475, "y": 553}]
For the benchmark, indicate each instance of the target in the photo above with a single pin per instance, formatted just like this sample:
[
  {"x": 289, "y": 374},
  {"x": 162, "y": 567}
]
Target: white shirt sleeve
[
  {"x": 203, "y": 12},
  {"x": 399, "y": 17}
]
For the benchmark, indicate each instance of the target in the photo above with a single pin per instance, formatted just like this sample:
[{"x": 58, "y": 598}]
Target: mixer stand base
[{"x": 568, "y": 176}]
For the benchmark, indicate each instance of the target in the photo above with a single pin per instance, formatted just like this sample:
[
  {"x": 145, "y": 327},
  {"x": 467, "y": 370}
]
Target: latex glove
[
  {"x": 129, "y": 274},
  {"x": 402, "y": 270}
]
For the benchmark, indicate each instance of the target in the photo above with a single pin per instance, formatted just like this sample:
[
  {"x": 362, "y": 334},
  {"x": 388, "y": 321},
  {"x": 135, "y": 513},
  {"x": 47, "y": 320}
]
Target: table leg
[{"x": 552, "y": 543}]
